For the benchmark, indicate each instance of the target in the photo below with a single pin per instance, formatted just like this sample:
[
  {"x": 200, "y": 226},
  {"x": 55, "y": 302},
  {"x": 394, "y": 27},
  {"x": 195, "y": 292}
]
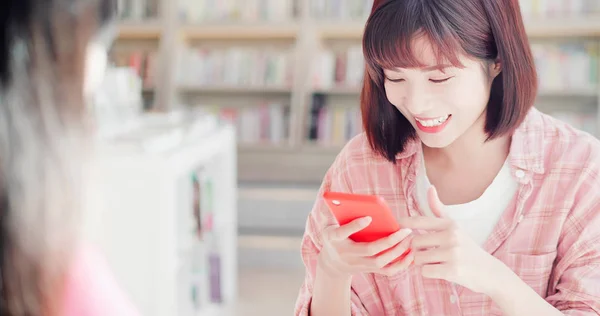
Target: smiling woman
[
  {"x": 500, "y": 201},
  {"x": 450, "y": 44}
]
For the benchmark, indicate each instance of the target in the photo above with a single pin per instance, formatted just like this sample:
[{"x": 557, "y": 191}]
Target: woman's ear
[{"x": 495, "y": 68}]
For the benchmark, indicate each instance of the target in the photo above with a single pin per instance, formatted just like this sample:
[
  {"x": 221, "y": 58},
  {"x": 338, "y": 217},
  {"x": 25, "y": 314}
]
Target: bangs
[{"x": 392, "y": 29}]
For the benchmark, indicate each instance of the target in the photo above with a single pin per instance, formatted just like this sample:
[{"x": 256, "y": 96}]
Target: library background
[{"x": 228, "y": 114}]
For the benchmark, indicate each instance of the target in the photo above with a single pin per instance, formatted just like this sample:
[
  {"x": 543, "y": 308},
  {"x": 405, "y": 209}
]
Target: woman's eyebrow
[{"x": 440, "y": 67}]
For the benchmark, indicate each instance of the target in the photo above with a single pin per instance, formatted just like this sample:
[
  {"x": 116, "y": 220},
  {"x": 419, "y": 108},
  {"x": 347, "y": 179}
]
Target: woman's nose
[{"x": 418, "y": 101}]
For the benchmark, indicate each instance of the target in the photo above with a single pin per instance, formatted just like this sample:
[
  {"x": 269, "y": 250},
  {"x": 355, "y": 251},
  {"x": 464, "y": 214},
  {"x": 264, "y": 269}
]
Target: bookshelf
[{"x": 303, "y": 30}]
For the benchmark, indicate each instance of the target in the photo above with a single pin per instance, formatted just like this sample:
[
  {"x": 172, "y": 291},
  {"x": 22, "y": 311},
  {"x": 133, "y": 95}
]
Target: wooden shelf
[
  {"x": 311, "y": 147},
  {"x": 536, "y": 28},
  {"x": 242, "y": 31},
  {"x": 350, "y": 91},
  {"x": 342, "y": 30},
  {"x": 136, "y": 30},
  {"x": 570, "y": 92},
  {"x": 293, "y": 166},
  {"x": 266, "y": 148},
  {"x": 235, "y": 89},
  {"x": 563, "y": 27}
]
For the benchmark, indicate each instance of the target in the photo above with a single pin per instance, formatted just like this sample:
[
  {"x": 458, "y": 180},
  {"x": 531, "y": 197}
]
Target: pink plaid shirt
[{"x": 549, "y": 235}]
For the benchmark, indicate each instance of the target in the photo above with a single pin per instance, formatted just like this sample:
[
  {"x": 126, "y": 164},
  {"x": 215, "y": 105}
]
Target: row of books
[
  {"x": 198, "y": 11},
  {"x": 552, "y": 8},
  {"x": 243, "y": 11},
  {"x": 335, "y": 125},
  {"x": 339, "y": 68},
  {"x": 268, "y": 123},
  {"x": 567, "y": 66},
  {"x": 236, "y": 66},
  {"x": 358, "y": 10},
  {"x": 138, "y": 9},
  {"x": 329, "y": 126},
  {"x": 144, "y": 63},
  {"x": 354, "y": 10},
  {"x": 561, "y": 66}
]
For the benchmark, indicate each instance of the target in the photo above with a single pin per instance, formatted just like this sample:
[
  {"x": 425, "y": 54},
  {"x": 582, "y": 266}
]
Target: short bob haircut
[{"x": 489, "y": 30}]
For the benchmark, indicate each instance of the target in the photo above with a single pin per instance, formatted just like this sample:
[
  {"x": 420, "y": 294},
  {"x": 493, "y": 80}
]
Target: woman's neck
[
  {"x": 462, "y": 171},
  {"x": 470, "y": 151}
]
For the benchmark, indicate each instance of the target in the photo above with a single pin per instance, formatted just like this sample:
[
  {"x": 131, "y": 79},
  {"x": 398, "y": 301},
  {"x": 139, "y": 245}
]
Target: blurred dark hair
[
  {"x": 43, "y": 45},
  {"x": 488, "y": 30}
]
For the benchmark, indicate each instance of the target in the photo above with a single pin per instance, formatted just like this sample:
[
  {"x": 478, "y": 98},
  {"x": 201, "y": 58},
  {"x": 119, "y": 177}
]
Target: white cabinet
[{"x": 155, "y": 180}]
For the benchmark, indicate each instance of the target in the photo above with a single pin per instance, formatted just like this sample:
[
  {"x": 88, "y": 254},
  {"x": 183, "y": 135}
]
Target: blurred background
[{"x": 219, "y": 118}]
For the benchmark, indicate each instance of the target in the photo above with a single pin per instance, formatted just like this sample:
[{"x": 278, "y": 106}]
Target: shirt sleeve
[
  {"x": 318, "y": 219},
  {"x": 574, "y": 287},
  {"x": 91, "y": 290}
]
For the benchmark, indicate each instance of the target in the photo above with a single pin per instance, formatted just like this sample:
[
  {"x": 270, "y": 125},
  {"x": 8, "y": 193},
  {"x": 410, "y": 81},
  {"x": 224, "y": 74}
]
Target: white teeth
[{"x": 434, "y": 122}]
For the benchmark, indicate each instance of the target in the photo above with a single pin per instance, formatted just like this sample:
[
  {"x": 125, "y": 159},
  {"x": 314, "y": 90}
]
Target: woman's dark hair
[
  {"x": 43, "y": 45},
  {"x": 489, "y": 30}
]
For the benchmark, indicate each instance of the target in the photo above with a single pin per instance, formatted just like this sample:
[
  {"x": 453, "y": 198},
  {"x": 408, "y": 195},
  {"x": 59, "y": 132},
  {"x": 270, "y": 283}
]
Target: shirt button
[
  {"x": 453, "y": 299},
  {"x": 520, "y": 174}
]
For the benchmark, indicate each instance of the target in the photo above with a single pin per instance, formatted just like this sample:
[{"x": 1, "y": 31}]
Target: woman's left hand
[{"x": 445, "y": 252}]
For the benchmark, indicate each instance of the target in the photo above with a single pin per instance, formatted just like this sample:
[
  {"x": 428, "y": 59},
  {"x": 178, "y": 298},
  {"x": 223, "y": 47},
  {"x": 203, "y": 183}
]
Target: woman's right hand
[{"x": 342, "y": 257}]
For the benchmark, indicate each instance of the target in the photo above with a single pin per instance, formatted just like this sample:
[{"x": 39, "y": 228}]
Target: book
[
  {"x": 332, "y": 126},
  {"x": 339, "y": 68},
  {"x": 267, "y": 123}
]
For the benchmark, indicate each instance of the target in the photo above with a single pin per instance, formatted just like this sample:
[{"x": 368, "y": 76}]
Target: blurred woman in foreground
[{"x": 51, "y": 54}]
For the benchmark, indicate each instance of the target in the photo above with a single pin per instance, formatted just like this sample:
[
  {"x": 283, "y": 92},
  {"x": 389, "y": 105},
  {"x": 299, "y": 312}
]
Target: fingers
[
  {"x": 399, "y": 266},
  {"x": 425, "y": 223},
  {"x": 344, "y": 232},
  {"x": 376, "y": 247},
  {"x": 392, "y": 254},
  {"x": 434, "y": 256},
  {"x": 437, "y": 207},
  {"x": 436, "y": 239}
]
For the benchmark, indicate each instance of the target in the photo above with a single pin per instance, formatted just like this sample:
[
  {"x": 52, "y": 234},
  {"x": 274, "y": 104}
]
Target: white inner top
[{"x": 479, "y": 217}]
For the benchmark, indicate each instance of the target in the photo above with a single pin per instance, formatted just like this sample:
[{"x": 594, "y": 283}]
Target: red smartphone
[{"x": 347, "y": 207}]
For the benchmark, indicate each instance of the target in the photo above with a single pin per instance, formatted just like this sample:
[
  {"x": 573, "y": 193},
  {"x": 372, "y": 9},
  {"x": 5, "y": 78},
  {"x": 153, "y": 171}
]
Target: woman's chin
[{"x": 436, "y": 140}]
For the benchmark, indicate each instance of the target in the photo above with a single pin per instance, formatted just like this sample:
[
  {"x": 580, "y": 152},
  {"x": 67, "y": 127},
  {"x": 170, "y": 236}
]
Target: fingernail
[
  {"x": 366, "y": 221},
  {"x": 405, "y": 231}
]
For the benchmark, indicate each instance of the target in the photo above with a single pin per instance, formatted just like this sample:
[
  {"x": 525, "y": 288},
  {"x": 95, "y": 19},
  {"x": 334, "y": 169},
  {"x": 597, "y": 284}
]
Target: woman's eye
[
  {"x": 395, "y": 80},
  {"x": 440, "y": 80}
]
